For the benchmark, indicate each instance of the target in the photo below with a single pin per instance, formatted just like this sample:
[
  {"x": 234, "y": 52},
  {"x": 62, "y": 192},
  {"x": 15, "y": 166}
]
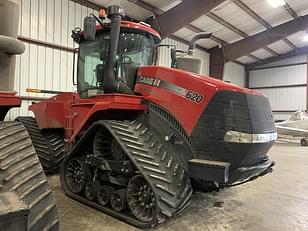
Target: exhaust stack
[
  {"x": 193, "y": 41},
  {"x": 189, "y": 62},
  {"x": 111, "y": 84}
]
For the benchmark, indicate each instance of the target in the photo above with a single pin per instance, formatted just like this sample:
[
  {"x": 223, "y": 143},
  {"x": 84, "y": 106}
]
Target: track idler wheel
[
  {"x": 141, "y": 199},
  {"x": 104, "y": 194},
  {"x": 76, "y": 175},
  {"x": 118, "y": 200}
]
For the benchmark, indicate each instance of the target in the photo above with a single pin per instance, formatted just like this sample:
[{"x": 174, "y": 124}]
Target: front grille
[{"x": 233, "y": 111}]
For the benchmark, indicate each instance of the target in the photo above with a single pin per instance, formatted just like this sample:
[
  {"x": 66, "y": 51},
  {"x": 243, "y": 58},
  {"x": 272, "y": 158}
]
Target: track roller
[
  {"x": 90, "y": 191},
  {"x": 104, "y": 194},
  {"x": 118, "y": 200}
]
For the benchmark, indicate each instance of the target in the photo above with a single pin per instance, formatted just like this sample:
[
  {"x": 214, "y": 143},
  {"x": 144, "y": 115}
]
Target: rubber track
[
  {"x": 157, "y": 163},
  {"x": 48, "y": 145},
  {"x": 21, "y": 171},
  {"x": 153, "y": 158}
]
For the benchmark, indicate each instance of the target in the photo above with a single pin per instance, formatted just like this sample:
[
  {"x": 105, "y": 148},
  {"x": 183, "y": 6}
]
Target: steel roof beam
[
  {"x": 181, "y": 15},
  {"x": 236, "y": 30},
  {"x": 298, "y": 51},
  {"x": 290, "y": 10},
  {"x": 219, "y": 41},
  {"x": 259, "y": 19},
  {"x": 216, "y": 59},
  {"x": 191, "y": 27},
  {"x": 262, "y": 39},
  {"x": 89, "y": 4}
]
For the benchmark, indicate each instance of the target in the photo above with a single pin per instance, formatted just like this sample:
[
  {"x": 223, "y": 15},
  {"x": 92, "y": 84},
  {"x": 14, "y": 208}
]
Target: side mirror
[{"x": 89, "y": 28}]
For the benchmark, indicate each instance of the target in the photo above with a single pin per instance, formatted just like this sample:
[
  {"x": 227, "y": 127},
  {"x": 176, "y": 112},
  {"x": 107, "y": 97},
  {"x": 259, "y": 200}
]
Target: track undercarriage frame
[{"x": 151, "y": 179}]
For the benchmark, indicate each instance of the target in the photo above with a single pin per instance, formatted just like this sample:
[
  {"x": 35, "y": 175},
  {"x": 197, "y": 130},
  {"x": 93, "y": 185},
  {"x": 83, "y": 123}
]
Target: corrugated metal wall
[
  {"x": 42, "y": 67},
  {"x": 283, "y": 82},
  {"x": 47, "y": 68},
  {"x": 234, "y": 73}
]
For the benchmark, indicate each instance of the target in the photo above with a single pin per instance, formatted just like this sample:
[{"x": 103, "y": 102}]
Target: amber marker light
[{"x": 33, "y": 90}]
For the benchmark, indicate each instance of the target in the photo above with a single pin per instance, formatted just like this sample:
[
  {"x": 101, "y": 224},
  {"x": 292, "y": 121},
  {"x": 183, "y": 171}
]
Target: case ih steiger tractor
[
  {"x": 26, "y": 202},
  {"x": 137, "y": 134}
]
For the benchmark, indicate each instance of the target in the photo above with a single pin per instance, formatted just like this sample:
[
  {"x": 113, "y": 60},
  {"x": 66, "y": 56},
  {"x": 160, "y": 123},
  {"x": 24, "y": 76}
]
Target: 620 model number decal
[
  {"x": 194, "y": 96},
  {"x": 183, "y": 92}
]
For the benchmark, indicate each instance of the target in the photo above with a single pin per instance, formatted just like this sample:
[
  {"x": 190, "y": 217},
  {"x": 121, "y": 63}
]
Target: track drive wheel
[
  {"x": 141, "y": 199},
  {"x": 21, "y": 172}
]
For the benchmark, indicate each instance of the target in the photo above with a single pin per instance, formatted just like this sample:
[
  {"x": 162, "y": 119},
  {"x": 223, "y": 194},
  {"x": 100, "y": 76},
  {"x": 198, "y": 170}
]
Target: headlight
[{"x": 247, "y": 138}]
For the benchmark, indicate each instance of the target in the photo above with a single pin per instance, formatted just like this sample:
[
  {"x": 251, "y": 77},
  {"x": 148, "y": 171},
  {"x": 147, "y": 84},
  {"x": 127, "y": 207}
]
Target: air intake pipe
[
  {"x": 193, "y": 41},
  {"x": 111, "y": 84}
]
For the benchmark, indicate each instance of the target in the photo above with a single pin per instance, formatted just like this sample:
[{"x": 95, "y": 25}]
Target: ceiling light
[
  {"x": 276, "y": 3},
  {"x": 305, "y": 39}
]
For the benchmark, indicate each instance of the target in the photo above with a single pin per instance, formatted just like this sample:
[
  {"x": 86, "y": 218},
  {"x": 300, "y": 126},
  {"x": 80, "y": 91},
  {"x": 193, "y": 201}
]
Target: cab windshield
[{"x": 134, "y": 50}]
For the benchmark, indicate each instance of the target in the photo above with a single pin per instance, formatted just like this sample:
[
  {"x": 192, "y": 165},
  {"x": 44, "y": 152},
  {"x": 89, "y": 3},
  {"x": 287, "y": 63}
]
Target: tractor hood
[
  {"x": 180, "y": 77},
  {"x": 189, "y": 91},
  {"x": 223, "y": 121}
]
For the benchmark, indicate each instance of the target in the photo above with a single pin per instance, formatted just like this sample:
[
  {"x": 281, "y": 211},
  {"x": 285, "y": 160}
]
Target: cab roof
[{"x": 138, "y": 26}]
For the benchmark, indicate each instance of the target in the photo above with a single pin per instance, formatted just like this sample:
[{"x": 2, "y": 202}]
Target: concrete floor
[{"x": 278, "y": 201}]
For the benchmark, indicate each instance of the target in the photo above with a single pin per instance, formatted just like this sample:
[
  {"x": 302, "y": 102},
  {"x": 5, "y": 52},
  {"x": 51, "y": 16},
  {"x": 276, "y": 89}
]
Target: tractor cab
[
  {"x": 135, "y": 49},
  {"x": 110, "y": 54}
]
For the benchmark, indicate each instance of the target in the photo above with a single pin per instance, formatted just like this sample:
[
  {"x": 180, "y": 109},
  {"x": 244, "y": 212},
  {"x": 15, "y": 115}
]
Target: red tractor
[{"x": 137, "y": 134}]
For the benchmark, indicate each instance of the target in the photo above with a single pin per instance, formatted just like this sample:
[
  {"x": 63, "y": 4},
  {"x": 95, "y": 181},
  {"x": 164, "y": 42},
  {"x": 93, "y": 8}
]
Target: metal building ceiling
[{"x": 231, "y": 21}]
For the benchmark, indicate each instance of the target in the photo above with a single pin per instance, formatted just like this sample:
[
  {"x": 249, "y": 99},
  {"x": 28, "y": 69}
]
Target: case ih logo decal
[
  {"x": 149, "y": 81},
  {"x": 155, "y": 82}
]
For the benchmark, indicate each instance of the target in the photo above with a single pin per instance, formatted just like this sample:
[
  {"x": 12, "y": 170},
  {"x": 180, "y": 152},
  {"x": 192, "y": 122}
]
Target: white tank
[
  {"x": 9, "y": 45},
  {"x": 189, "y": 63}
]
